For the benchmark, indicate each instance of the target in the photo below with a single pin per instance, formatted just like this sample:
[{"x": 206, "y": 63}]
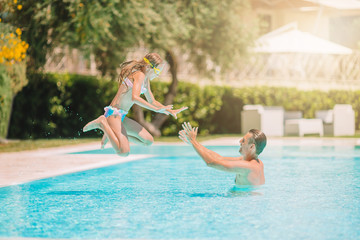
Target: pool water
[{"x": 311, "y": 192}]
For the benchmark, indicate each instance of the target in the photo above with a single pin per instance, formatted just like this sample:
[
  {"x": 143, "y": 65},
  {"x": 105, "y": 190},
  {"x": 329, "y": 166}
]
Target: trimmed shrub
[{"x": 59, "y": 105}]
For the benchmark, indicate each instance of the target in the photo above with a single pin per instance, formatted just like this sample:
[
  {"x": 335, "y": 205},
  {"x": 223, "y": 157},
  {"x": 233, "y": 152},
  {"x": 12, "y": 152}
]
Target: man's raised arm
[{"x": 211, "y": 158}]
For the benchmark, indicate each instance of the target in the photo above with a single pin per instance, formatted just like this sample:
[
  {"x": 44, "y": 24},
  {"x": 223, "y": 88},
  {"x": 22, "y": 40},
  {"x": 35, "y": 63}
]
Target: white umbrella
[
  {"x": 295, "y": 41},
  {"x": 338, "y": 4}
]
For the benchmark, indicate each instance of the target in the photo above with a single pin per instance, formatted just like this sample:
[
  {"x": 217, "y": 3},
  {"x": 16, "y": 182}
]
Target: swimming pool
[{"x": 311, "y": 192}]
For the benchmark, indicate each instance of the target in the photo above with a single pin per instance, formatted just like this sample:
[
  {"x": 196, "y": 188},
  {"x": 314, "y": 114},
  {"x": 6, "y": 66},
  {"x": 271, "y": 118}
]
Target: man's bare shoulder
[{"x": 256, "y": 163}]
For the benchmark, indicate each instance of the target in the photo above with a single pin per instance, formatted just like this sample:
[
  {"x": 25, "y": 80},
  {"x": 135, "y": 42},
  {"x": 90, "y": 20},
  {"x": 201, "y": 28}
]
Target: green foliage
[
  {"x": 59, "y": 105},
  {"x": 88, "y": 26},
  {"x": 217, "y": 32},
  {"x": 17, "y": 74},
  {"x": 207, "y": 30},
  {"x": 202, "y": 103},
  {"x": 12, "y": 64},
  {"x": 12, "y": 80},
  {"x": 5, "y": 101},
  {"x": 227, "y": 119},
  {"x": 39, "y": 22}
]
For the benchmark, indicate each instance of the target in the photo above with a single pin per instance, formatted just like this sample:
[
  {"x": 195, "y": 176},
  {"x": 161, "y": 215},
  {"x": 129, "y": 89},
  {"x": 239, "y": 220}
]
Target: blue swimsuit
[{"x": 110, "y": 110}]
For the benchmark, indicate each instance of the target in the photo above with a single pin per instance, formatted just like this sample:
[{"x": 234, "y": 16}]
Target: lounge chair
[
  {"x": 267, "y": 119},
  {"x": 296, "y": 125},
  {"x": 339, "y": 121}
]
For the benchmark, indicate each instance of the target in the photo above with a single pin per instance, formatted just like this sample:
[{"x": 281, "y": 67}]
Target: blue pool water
[{"x": 310, "y": 193}]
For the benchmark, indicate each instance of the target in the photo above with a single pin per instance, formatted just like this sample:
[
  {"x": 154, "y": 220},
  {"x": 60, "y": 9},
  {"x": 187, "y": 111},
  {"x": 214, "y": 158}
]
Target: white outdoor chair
[
  {"x": 267, "y": 119},
  {"x": 303, "y": 126},
  {"x": 292, "y": 115},
  {"x": 296, "y": 125},
  {"x": 327, "y": 116},
  {"x": 344, "y": 120},
  {"x": 338, "y": 122}
]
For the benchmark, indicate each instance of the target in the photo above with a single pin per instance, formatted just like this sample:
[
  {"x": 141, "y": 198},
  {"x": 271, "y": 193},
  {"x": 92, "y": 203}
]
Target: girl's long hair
[{"x": 129, "y": 67}]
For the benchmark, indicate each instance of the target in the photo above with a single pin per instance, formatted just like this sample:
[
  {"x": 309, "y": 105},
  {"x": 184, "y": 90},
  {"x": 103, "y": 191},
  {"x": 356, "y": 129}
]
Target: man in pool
[{"x": 248, "y": 168}]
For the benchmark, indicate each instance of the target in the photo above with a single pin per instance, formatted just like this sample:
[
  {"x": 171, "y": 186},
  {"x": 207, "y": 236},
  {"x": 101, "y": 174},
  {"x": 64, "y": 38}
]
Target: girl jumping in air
[{"x": 134, "y": 80}]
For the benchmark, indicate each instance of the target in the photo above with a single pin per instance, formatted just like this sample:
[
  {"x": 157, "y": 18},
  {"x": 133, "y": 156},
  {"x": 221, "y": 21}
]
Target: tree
[
  {"x": 209, "y": 31},
  {"x": 87, "y": 25}
]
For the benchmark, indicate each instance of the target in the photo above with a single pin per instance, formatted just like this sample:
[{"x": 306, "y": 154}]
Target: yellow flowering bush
[
  {"x": 12, "y": 48},
  {"x": 11, "y": 5}
]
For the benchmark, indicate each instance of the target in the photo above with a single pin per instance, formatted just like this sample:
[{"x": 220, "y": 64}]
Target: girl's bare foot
[{"x": 97, "y": 123}]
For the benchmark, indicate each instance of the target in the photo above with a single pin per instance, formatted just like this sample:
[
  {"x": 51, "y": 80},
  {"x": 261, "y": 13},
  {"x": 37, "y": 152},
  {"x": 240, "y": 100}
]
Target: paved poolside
[{"x": 25, "y": 166}]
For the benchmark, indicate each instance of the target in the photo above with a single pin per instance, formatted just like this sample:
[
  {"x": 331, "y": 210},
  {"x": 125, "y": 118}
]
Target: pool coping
[{"x": 25, "y": 166}]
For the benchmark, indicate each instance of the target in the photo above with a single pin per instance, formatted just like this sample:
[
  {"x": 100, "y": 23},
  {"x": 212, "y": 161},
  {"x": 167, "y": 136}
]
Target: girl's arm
[
  {"x": 139, "y": 77},
  {"x": 151, "y": 99}
]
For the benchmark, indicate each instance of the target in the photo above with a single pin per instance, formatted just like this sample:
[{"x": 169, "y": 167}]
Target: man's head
[{"x": 253, "y": 142}]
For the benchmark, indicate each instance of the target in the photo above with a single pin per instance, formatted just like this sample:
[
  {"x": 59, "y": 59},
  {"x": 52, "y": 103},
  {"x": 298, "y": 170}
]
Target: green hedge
[{"x": 59, "y": 105}]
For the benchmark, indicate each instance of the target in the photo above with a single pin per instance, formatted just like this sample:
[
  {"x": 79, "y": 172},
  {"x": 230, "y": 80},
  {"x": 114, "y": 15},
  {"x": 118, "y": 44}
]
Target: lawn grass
[{"x": 22, "y": 145}]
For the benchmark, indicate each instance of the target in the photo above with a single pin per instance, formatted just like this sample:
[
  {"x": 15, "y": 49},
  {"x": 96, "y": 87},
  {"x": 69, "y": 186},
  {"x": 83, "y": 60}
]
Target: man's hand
[
  {"x": 176, "y": 111},
  {"x": 188, "y": 134}
]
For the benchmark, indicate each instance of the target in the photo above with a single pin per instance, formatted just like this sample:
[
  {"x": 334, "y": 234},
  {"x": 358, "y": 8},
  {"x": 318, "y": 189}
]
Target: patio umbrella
[{"x": 290, "y": 40}]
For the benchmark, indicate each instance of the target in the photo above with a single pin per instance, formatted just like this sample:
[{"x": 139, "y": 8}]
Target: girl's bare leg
[
  {"x": 113, "y": 130},
  {"x": 137, "y": 133},
  {"x": 137, "y": 141},
  {"x": 104, "y": 141},
  {"x": 132, "y": 139},
  {"x": 120, "y": 134}
]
